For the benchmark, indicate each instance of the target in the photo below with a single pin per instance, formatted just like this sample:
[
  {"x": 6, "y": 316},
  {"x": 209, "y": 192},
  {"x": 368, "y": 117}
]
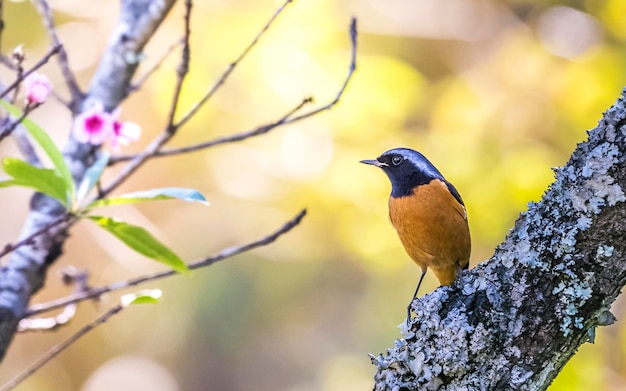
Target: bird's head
[{"x": 406, "y": 170}]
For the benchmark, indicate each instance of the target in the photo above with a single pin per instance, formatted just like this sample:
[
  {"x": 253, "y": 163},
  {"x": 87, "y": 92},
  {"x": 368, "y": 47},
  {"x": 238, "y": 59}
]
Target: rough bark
[
  {"x": 25, "y": 272},
  {"x": 512, "y": 322}
]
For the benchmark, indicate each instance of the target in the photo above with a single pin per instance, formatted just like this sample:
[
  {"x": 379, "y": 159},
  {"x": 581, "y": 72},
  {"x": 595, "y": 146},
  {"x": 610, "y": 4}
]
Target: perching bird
[{"x": 428, "y": 213}]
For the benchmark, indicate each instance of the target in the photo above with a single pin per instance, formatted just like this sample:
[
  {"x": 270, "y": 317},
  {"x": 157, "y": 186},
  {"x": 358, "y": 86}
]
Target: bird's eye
[{"x": 396, "y": 160}]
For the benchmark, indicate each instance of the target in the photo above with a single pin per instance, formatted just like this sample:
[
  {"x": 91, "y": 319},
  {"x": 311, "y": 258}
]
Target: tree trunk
[{"x": 512, "y": 322}]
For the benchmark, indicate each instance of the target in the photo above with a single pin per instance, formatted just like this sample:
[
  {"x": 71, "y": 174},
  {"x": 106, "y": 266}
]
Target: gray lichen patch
[
  {"x": 545, "y": 237},
  {"x": 598, "y": 189}
]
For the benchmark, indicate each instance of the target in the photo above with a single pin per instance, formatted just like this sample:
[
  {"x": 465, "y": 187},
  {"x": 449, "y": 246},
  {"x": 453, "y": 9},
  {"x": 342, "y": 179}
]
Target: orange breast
[{"x": 432, "y": 226}]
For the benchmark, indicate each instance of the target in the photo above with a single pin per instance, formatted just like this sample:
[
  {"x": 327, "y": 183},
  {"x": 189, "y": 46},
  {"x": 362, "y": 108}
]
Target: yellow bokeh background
[{"x": 495, "y": 93}]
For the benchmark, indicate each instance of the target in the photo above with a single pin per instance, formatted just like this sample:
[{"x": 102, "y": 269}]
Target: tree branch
[
  {"x": 25, "y": 271},
  {"x": 138, "y": 21},
  {"x": 288, "y": 118},
  {"x": 42, "y": 238},
  {"x": 170, "y": 130},
  {"x": 142, "y": 80},
  {"x": 52, "y": 353},
  {"x": 511, "y": 323},
  {"x": 263, "y": 129},
  {"x": 9, "y": 247},
  {"x": 226, "y": 253},
  {"x": 181, "y": 72},
  {"x": 209, "y": 94}
]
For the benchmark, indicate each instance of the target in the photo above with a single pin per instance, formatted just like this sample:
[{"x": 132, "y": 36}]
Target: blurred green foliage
[{"x": 494, "y": 93}]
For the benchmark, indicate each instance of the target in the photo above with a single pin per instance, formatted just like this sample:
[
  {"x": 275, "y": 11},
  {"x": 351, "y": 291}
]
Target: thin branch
[
  {"x": 134, "y": 164},
  {"x": 57, "y": 48},
  {"x": 231, "y": 68},
  {"x": 46, "y": 15},
  {"x": 61, "y": 347},
  {"x": 143, "y": 78},
  {"x": 18, "y": 59},
  {"x": 181, "y": 71},
  {"x": 226, "y": 253},
  {"x": 351, "y": 70},
  {"x": 263, "y": 129},
  {"x": 172, "y": 127},
  {"x": 29, "y": 239},
  {"x": 286, "y": 119}
]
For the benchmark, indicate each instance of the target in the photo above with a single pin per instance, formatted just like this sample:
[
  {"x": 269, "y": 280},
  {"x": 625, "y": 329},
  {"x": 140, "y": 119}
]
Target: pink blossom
[
  {"x": 94, "y": 125},
  {"x": 124, "y": 133},
  {"x": 38, "y": 88}
]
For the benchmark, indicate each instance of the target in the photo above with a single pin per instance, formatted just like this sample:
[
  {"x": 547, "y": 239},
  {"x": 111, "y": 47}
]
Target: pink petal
[
  {"x": 94, "y": 125},
  {"x": 124, "y": 133},
  {"x": 129, "y": 131}
]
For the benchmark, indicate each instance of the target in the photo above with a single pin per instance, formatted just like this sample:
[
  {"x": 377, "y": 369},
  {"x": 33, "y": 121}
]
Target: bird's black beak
[{"x": 374, "y": 163}]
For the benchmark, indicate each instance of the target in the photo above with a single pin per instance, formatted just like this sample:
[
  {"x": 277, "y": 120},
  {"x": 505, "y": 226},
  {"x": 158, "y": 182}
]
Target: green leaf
[
  {"x": 167, "y": 193},
  {"x": 146, "y": 296},
  {"x": 42, "y": 180},
  {"x": 46, "y": 144},
  {"x": 141, "y": 241},
  {"x": 92, "y": 176}
]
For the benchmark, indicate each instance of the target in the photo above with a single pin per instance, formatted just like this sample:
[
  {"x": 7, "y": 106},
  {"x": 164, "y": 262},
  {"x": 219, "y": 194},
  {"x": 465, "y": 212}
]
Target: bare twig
[
  {"x": 18, "y": 60},
  {"x": 71, "y": 276},
  {"x": 223, "y": 140},
  {"x": 231, "y": 68},
  {"x": 286, "y": 119},
  {"x": 53, "y": 50},
  {"x": 61, "y": 347},
  {"x": 143, "y": 78},
  {"x": 155, "y": 146},
  {"x": 226, "y": 253},
  {"x": 46, "y": 15},
  {"x": 181, "y": 71},
  {"x": 351, "y": 70},
  {"x": 28, "y": 240}
]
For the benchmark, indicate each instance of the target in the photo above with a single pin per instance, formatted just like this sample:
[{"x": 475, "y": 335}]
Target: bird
[{"x": 428, "y": 214}]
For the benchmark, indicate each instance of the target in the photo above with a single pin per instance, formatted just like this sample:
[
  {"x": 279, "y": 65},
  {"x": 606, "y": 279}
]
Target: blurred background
[{"x": 495, "y": 93}]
